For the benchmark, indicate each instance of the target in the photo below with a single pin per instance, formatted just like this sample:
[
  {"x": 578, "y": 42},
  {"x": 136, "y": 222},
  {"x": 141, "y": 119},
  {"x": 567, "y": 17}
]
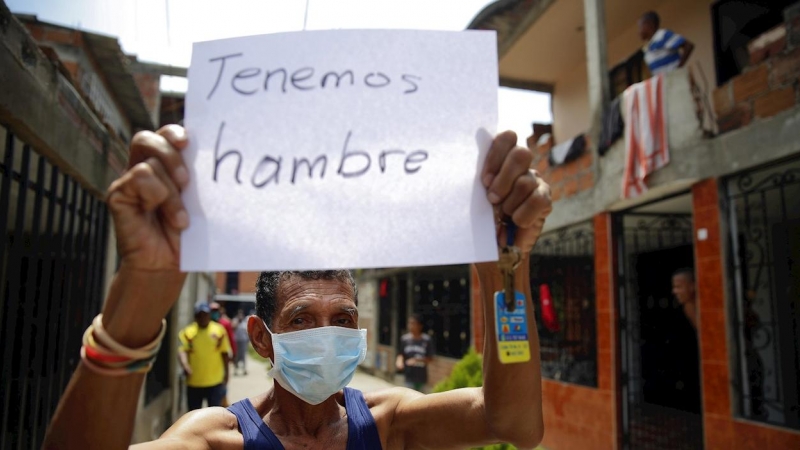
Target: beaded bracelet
[{"x": 105, "y": 356}]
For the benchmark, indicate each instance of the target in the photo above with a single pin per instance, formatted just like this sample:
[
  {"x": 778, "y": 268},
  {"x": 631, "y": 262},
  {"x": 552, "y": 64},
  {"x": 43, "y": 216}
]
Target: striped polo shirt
[{"x": 661, "y": 53}]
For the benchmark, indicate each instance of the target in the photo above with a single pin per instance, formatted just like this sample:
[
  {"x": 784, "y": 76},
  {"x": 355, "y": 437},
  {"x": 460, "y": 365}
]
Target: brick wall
[
  {"x": 439, "y": 369},
  {"x": 567, "y": 179},
  {"x": 768, "y": 86},
  {"x": 219, "y": 280},
  {"x": 721, "y": 429},
  {"x": 247, "y": 281}
]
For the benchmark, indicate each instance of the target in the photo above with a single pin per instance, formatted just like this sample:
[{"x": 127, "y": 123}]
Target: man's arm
[
  {"x": 183, "y": 356},
  {"x": 184, "y": 360},
  {"x": 226, "y": 360},
  {"x": 98, "y": 411},
  {"x": 685, "y": 50},
  {"x": 508, "y": 408}
]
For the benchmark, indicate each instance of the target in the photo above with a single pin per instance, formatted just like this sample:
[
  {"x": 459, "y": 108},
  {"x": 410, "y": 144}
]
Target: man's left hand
[{"x": 516, "y": 191}]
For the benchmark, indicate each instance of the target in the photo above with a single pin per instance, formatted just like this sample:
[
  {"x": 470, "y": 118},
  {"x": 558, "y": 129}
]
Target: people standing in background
[
  {"x": 414, "y": 354},
  {"x": 204, "y": 356},
  {"x": 242, "y": 342},
  {"x": 665, "y": 50}
]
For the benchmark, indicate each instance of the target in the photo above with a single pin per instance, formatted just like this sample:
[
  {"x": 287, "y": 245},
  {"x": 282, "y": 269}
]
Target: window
[
  {"x": 628, "y": 72},
  {"x": 764, "y": 213},
  {"x": 562, "y": 271},
  {"x": 232, "y": 282},
  {"x": 736, "y": 23}
]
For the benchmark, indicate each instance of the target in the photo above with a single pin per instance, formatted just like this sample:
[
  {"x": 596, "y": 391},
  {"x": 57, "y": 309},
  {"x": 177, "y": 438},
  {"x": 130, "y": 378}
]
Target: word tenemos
[{"x": 251, "y": 80}]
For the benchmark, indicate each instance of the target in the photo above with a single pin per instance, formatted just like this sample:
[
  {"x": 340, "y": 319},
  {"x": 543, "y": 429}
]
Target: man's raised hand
[
  {"x": 515, "y": 190},
  {"x": 145, "y": 201}
]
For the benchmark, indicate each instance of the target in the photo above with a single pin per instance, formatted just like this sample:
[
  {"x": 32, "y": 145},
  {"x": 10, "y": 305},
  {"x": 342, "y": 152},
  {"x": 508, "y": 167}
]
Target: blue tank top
[{"x": 362, "y": 433}]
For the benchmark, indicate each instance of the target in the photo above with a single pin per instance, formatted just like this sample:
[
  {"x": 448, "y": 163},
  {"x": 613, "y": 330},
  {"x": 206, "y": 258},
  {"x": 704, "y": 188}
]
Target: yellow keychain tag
[{"x": 512, "y": 329}]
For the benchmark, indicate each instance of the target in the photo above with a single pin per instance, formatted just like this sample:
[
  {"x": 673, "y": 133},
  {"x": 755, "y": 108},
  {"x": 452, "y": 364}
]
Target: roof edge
[{"x": 510, "y": 19}]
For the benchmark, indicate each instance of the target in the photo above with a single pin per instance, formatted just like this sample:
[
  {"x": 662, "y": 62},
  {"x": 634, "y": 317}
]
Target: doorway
[{"x": 659, "y": 351}]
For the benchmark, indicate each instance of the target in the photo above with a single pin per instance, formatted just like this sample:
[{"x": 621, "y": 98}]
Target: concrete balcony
[{"x": 693, "y": 156}]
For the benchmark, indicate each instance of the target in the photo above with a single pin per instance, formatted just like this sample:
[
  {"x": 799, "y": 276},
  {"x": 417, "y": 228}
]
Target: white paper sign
[{"x": 339, "y": 149}]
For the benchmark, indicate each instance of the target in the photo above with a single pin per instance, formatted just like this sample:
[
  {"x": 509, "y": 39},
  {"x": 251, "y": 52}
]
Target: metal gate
[
  {"x": 650, "y": 247},
  {"x": 764, "y": 217},
  {"x": 51, "y": 275}
]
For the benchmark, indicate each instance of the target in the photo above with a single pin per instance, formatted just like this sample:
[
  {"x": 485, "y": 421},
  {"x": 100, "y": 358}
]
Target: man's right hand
[
  {"x": 148, "y": 213},
  {"x": 145, "y": 201}
]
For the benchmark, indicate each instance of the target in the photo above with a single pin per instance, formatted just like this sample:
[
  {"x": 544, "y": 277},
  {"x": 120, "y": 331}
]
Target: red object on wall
[
  {"x": 549, "y": 317},
  {"x": 384, "y": 289}
]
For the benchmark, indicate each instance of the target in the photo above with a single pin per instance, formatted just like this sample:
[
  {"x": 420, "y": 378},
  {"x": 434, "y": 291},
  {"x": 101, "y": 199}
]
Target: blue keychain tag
[{"x": 512, "y": 329}]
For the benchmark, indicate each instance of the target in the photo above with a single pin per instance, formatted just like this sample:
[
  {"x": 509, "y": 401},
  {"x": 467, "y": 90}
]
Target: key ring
[{"x": 511, "y": 232}]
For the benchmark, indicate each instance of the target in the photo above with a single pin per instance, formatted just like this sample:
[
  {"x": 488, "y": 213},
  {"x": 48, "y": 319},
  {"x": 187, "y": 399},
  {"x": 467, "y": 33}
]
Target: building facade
[
  {"x": 70, "y": 101},
  {"x": 623, "y": 366}
]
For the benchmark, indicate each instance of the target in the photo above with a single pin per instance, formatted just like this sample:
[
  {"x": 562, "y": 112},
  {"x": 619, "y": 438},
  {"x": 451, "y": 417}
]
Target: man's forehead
[{"x": 296, "y": 286}]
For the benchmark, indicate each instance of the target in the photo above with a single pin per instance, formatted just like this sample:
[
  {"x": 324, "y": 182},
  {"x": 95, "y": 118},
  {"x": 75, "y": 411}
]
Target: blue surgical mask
[{"x": 316, "y": 363}]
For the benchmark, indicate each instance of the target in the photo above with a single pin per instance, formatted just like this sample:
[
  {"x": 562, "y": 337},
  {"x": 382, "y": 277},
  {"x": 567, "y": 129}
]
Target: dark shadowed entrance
[{"x": 660, "y": 376}]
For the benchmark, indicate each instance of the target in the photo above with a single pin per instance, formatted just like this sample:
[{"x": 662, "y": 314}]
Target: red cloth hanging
[
  {"x": 384, "y": 290},
  {"x": 549, "y": 316}
]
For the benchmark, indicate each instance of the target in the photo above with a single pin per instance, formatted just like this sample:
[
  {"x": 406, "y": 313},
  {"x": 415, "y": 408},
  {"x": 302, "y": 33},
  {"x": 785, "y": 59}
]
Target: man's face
[
  {"x": 646, "y": 29},
  {"x": 203, "y": 319},
  {"x": 414, "y": 326},
  {"x": 305, "y": 304},
  {"x": 683, "y": 288}
]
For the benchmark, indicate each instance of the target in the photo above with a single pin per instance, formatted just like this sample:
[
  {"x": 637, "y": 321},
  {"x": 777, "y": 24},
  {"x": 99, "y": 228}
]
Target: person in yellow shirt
[{"x": 204, "y": 355}]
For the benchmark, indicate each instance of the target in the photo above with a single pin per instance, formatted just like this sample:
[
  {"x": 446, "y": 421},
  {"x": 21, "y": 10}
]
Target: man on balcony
[{"x": 665, "y": 50}]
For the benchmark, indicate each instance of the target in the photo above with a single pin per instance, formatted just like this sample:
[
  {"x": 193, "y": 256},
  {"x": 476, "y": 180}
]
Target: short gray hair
[{"x": 268, "y": 286}]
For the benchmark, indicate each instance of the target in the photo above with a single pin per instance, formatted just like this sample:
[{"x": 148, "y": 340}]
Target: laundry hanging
[
  {"x": 646, "y": 147},
  {"x": 613, "y": 125},
  {"x": 568, "y": 151}
]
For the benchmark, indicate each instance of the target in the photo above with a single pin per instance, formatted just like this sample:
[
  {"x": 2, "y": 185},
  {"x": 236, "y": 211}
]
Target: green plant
[{"x": 468, "y": 373}]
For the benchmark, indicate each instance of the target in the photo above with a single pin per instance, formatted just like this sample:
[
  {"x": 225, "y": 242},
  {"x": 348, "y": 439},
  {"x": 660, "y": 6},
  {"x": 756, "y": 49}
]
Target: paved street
[{"x": 257, "y": 381}]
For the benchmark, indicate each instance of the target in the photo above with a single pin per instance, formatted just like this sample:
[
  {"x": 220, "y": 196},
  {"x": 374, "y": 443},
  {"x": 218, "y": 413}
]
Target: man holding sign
[
  {"x": 306, "y": 322},
  {"x": 98, "y": 409}
]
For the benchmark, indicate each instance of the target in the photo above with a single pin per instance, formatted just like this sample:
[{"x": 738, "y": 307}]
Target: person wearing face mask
[{"x": 307, "y": 324}]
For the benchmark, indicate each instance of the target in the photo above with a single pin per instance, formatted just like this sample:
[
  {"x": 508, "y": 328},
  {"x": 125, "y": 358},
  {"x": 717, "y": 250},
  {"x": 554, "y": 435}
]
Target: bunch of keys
[
  {"x": 510, "y": 258},
  {"x": 511, "y": 320}
]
